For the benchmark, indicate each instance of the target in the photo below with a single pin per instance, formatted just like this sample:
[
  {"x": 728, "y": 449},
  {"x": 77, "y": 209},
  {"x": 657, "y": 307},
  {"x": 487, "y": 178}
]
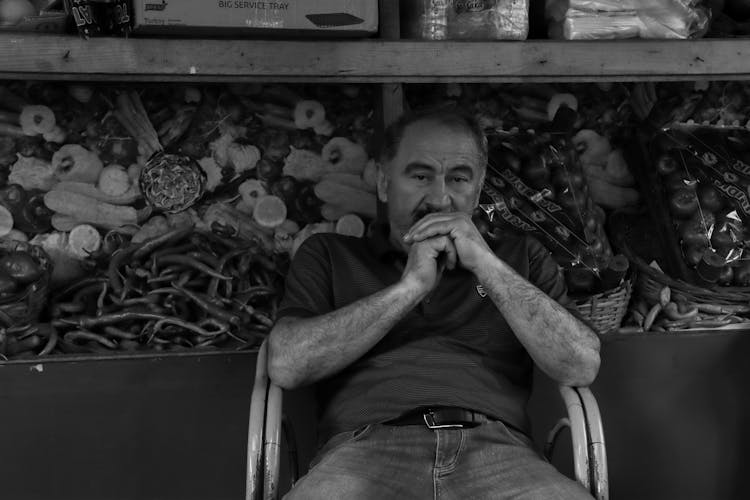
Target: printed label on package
[
  {"x": 461, "y": 6},
  {"x": 245, "y": 4}
]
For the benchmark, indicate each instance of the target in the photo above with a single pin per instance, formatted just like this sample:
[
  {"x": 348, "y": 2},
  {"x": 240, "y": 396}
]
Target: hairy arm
[
  {"x": 561, "y": 345},
  {"x": 304, "y": 350}
]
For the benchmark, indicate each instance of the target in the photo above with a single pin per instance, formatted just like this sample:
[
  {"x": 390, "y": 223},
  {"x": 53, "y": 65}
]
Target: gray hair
[{"x": 450, "y": 117}]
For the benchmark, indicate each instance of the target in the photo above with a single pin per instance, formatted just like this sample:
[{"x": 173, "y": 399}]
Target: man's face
[{"x": 437, "y": 168}]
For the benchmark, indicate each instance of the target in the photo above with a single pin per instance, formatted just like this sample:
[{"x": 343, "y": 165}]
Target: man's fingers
[
  {"x": 432, "y": 225},
  {"x": 433, "y": 217},
  {"x": 427, "y": 232},
  {"x": 448, "y": 250},
  {"x": 451, "y": 255},
  {"x": 443, "y": 250}
]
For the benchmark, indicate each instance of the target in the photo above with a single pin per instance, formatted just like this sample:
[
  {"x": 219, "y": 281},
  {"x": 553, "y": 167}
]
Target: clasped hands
[{"x": 446, "y": 237}]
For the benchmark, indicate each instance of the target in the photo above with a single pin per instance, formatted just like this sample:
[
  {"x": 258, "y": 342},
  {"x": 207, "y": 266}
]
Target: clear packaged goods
[
  {"x": 466, "y": 19},
  {"x": 608, "y": 19},
  {"x": 705, "y": 174}
]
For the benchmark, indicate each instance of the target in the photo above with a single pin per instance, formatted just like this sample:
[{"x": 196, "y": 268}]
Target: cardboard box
[{"x": 319, "y": 18}]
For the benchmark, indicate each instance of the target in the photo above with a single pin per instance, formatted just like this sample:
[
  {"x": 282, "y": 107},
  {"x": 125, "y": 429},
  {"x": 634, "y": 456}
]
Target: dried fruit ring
[
  {"x": 73, "y": 162},
  {"x": 37, "y": 119},
  {"x": 308, "y": 114},
  {"x": 344, "y": 154},
  {"x": 270, "y": 211},
  {"x": 558, "y": 100}
]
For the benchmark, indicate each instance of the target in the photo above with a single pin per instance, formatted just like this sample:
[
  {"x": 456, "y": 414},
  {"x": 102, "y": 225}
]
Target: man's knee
[
  {"x": 556, "y": 487},
  {"x": 319, "y": 485}
]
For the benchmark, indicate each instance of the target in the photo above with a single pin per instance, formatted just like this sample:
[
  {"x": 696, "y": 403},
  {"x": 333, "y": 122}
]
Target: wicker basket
[
  {"x": 25, "y": 306},
  {"x": 650, "y": 281},
  {"x": 604, "y": 311}
]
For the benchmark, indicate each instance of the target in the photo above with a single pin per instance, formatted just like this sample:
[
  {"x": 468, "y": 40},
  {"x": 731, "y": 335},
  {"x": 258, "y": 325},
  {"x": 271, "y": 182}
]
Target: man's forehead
[{"x": 432, "y": 138}]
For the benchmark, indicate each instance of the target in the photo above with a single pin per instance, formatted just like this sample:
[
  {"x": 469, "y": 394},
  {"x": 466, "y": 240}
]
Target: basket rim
[
  {"x": 722, "y": 294},
  {"x": 625, "y": 286},
  {"x": 605, "y": 311}
]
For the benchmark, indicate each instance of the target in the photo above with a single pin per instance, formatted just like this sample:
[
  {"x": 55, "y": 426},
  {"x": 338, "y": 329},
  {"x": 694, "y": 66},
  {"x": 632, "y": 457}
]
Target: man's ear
[{"x": 382, "y": 186}]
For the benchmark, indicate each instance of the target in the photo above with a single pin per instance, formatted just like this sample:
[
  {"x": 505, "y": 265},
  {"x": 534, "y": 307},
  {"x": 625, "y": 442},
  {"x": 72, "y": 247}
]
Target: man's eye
[
  {"x": 460, "y": 179},
  {"x": 419, "y": 177}
]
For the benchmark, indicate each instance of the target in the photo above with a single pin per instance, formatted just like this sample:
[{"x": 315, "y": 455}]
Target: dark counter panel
[
  {"x": 676, "y": 412},
  {"x": 146, "y": 428}
]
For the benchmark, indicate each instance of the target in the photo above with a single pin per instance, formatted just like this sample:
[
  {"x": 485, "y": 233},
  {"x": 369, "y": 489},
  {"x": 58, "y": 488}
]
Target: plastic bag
[
  {"x": 609, "y": 19},
  {"x": 705, "y": 173},
  {"x": 493, "y": 19},
  {"x": 466, "y": 19},
  {"x": 535, "y": 184}
]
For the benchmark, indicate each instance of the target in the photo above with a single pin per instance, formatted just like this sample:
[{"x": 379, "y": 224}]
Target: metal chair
[{"x": 266, "y": 426}]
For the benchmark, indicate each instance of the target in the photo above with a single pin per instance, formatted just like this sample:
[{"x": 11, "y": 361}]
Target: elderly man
[{"x": 420, "y": 338}]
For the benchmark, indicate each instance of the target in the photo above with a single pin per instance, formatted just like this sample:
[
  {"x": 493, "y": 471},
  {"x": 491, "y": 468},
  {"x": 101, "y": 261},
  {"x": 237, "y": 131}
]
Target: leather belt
[{"x": 441, "y": 418}]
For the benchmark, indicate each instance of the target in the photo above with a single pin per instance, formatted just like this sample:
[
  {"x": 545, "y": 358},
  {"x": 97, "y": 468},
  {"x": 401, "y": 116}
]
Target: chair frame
[
  {"x": 587, "y": 437},
  {"x": 266, "y": 425}
]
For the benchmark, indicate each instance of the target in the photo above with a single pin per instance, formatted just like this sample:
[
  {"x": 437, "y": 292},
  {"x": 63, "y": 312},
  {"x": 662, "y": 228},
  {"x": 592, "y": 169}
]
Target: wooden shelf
[{"x": 53, "y": 57}]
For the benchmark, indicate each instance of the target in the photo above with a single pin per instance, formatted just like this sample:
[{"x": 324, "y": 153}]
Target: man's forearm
[
  {"x": 562, "y": 346},
  {"x": 304, "y": 350}
]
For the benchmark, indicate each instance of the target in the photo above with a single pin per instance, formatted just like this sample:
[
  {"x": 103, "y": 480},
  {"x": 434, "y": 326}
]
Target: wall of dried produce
[{"x": 161, "y": 217}]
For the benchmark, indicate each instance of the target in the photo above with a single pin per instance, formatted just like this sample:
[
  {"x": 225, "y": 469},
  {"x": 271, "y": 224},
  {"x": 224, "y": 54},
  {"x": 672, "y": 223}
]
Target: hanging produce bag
[
  {"x": 535, "y": 184},
  {"x": 705, "y": 173}
]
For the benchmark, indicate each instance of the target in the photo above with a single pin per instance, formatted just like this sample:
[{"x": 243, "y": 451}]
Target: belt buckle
[{"x": 429, "y": 420}]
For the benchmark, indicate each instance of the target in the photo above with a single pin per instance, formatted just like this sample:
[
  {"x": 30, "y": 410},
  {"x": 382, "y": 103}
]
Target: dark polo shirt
[{"x": 453, "y": 349}]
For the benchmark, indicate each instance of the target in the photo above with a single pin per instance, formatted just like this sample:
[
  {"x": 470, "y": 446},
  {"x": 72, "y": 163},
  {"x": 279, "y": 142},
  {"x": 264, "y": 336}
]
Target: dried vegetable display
[
  {"x": 245, "y": 172},
  {"x": 183, "y": 289},
  {"x": 241, "y": 173}
]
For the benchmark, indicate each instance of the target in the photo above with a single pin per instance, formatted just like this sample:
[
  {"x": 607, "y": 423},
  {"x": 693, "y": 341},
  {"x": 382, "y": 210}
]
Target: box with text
[{"x": 348, "y": 18}]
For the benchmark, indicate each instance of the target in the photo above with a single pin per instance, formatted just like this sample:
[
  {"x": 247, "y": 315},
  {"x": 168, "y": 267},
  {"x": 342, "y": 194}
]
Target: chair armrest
[
  {"x": 597, "y": 448},
  {"x": 272, "y": 443},
  {"x": 578, "y": 433},
  {"x": 256, "y": 423}
]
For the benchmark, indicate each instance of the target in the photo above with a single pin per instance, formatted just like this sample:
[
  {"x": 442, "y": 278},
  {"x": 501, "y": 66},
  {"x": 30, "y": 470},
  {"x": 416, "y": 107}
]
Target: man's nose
[{"x": 438, "y": 197}]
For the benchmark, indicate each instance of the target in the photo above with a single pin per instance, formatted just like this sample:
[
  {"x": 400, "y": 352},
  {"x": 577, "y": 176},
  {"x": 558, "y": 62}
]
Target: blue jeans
[{"x": 379, "y": 462}]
